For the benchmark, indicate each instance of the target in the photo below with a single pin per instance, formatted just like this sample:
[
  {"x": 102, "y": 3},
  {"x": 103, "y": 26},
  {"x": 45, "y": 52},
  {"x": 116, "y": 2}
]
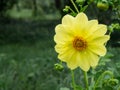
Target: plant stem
[
  {"x": 86, "y": 80},
  {"x": 101, "y": 78},
  {"x": 71, "y": 10},
  {"x": 74, "y": 6},
  {"x": 92, "y": 83},
  {"x": 61, "y": 62},
  {"x": 73, "y": 80}
]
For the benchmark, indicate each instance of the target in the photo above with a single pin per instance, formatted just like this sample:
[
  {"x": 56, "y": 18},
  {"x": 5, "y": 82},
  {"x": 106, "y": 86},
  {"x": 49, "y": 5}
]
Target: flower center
[{"x": 79, "y": 43}]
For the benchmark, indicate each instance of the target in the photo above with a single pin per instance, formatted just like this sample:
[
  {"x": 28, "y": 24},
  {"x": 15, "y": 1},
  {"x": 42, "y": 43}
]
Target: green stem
[
  {"x": 73, "y": 80},
  {"x": 109, "y": 33},
  {"x": 74, "y": 6},
  {"x": 92, "y": 79},
  {"x": 86, "y": 80},
  {"x": 101, "y": 77},
  {"x": 71, "y": 10},
  {"x": 61, "y": 62}
]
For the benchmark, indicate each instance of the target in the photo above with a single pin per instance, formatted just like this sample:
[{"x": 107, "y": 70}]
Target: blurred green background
[{"x": 27, "y": 55}]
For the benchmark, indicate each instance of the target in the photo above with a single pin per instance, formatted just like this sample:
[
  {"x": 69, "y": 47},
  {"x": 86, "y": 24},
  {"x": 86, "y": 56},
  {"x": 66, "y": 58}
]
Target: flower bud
[
  {"x": 113, "y": 82},
  {"x": 80, "y": 2},
  {"x": 103, "y": 5},
  {"x": 110, "y": 28},
  {"x": 58, "y": 67},
  {"x": 66, "y": 9}
]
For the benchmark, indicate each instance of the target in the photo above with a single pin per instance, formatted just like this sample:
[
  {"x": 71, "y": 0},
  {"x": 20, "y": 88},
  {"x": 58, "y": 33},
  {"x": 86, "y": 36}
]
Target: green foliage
[
  {"x": 58, "y": 67},
  {"x": 64, "y": 88},
  {"x": 113, "y": 27},
  {"x": 33, "y": 30},
  {"x": 103, "y": 5},
  {"x": 106, "y": 11},
  {"x": 27, "y": 67},
  {"x": 106, "y": 59},
  {"x": 5, "y": 5}
]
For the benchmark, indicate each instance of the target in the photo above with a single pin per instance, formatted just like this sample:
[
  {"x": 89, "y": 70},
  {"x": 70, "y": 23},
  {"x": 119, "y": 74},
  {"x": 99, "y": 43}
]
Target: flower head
[{"x": 80, "y": 42}]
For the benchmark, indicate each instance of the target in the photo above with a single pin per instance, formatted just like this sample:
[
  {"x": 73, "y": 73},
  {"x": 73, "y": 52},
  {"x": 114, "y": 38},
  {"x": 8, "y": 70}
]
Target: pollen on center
[{"x": 79, "y": 43}]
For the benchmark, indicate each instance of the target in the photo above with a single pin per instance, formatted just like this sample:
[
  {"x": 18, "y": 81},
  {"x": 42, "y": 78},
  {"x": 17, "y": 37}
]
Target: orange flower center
[{"x": 79, "y": 43}]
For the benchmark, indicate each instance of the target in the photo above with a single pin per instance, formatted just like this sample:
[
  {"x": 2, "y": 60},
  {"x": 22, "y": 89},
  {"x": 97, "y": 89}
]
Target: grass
[
  {"x": 27, "y": 59},
  {"x": 27, "y": 67}
]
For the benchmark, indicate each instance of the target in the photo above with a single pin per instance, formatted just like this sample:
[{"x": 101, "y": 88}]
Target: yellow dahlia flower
[{"x": 80, "y": 42}]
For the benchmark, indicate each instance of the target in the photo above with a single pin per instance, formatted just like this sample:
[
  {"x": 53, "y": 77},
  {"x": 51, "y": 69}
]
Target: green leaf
[
  {"x": 83, "y": 8},
  {"x": 79, "y": 87}
]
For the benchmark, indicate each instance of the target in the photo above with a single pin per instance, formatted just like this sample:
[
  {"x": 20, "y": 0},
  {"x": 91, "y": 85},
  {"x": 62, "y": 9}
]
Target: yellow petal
[
  {"x": 92, "y": 26},
  {"x": 89, "y": 28},
  {"x": 98, "y": 40},
  {"x": 73, "y": 63},
  {"x": 65, "y": 52},
  {"x": 83, "y": 60},
  {"x": 62, "y": 47},
  {"x": 68, "y": 20},
  {"x": 63, "y": 33},
  {"x": 93, "y": 59},
  {"x": 80, "y": 23},
  {"x": 81, "y": 17},
  {"x": 69, "y": 57},
  {"x": 98, "y": 49},
  {"x": 87, "y": 59},
  {"x": 101, "y": 30}
]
